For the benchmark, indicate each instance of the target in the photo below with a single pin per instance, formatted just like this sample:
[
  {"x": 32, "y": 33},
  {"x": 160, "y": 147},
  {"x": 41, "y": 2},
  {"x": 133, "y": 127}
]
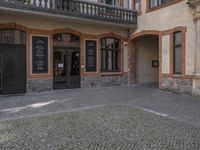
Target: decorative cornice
[{"x": 193, "y": 3}]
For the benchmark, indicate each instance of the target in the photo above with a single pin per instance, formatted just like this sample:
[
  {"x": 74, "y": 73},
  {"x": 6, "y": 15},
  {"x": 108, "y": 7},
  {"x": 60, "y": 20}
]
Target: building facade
[
  {"x": 169, "y": 33},
  {"x": 58, "y": 44}
]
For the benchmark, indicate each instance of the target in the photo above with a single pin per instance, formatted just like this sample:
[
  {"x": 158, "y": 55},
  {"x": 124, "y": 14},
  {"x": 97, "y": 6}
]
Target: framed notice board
[
  {"x": 90, "y": 56},
  {"x": 40, "y": 54}
]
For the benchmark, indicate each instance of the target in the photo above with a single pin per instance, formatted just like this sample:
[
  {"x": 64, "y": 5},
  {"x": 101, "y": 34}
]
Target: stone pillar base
[
  {"x": 176, "y": 84},
  {"x": 103, "y": 81},
  {"x": 196, "y": 87},
  {"x": 39, "y": 85}
]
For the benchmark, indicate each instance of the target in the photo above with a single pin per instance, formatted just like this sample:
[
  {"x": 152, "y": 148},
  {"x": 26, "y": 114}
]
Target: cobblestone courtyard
[
  {"x": 106, "y": 127},
  {"x": 117, "y": 118}
]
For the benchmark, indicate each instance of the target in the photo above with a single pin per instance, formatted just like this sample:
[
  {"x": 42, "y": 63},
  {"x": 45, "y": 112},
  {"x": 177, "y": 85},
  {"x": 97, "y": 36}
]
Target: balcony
[{"x": 76, "y": 9}]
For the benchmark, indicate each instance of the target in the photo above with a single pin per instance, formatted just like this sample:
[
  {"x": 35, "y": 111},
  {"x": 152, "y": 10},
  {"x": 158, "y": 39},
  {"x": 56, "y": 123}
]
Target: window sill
[
  {"x": 177, "y": 75},
  {"x": 161, "y": 6},
  {"x": 111, "y": 73}
]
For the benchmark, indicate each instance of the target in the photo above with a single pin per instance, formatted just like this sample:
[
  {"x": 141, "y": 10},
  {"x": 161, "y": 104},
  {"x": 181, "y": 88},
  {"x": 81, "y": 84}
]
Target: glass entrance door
[
  {"x": 74, "y": 68},
  {"x": 60, "y": 69},
  {"x": 66, "y": 68}
]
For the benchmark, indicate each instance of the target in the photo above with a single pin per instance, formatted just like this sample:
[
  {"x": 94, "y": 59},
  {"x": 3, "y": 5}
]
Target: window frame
[
  {"x": 174, "y": 51},
  {"x": 134, "y": 5},
  {"x": 114, "y": 3},
  {"x": 8, "y": 36},
  {"x": 162, "y": 5},
  {"x": 119, "y": 50}
]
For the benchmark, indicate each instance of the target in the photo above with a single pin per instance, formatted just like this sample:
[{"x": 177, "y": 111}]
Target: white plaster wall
[
  {"x": 50, "y": 23},
  {"x": 179, "y": 14},
  {"x": 146, "y": 51},
  {"x": 166, "y": 54}
]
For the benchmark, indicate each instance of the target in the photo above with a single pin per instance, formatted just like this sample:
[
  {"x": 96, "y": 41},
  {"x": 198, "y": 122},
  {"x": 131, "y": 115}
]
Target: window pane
[
  {"x": 110, "y": 60},
  {"x": 178, "y": 59},
  {"x": 136, "y": 5},
  {"x": 118, "y": 60},
  {"x": 116, "y": 44},
  {"x": 178, "y": 38},
  {"x": 103, "y": 43},
  {"x": 117, "y": 3},
  {"x": 153, "y": 3},
  {"x": 103, "y": 63},
  {"x": 126, "y": 4},
  {"x": 109, "y": 2},
  {"x": 109, "y": 43},
  {"x": 12, "y": 37}
]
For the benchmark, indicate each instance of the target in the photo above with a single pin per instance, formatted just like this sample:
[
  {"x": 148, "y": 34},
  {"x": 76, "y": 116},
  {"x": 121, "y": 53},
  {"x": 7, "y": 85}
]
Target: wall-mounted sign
[
  {"x": 91, "y": 52},
  {"x": 155, "y": 63},
  {"x": 39, "y": 54},
  {"x": 60, "y": 65}
]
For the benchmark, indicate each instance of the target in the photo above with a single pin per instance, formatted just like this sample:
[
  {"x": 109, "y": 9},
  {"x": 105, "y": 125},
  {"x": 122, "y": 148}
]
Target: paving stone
[{"x": 117, "y": 127}]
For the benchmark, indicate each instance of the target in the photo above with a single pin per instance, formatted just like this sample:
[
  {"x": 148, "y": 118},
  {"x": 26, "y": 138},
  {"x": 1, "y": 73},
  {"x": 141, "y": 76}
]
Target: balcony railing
[{"x": 76, "y": 8}]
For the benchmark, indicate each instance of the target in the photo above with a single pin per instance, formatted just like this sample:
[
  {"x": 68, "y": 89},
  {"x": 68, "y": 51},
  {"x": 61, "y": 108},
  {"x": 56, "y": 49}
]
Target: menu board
[
  {"x": 91, "y": 51},
  {"x": 39, "y": 54}
]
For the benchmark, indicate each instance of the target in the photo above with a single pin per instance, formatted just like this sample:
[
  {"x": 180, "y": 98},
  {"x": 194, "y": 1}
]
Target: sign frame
[
  {"x": 31, "y": 54},
  {"x": 96, "y": 58}
]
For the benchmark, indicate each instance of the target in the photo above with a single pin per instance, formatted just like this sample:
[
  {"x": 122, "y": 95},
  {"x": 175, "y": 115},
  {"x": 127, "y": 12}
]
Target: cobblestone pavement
[
  {"x": 149, "y": 97},
  {"x": 116, "y": 127}
]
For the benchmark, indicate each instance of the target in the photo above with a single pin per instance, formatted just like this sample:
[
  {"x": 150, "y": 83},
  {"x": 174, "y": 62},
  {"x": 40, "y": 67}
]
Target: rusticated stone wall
[
  {"x": 39, "y": 85},
  {"x": 103, "y": 81},
  {"x": 176, "y": 85}
]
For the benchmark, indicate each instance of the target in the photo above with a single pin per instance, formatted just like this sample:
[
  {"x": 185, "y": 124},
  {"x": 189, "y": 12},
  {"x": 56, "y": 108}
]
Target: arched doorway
[
  {"x": 12, "y": 61},
  {"x": 146, "y": 59},
  {"x": 66, "y": 61}
]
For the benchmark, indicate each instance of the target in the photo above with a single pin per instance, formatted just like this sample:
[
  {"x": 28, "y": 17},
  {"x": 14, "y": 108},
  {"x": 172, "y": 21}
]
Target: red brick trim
[
  {"x": 133, "y": 51},
  {"x": 67, "y": 30},
  {"x": 13, "y": 26},
  {"x": 160, "y": 60},
  {"x": 112, "y": 35},
  {"x": 50, "y": 33},
  {"x": 183, "y": 30},
  {"x": 122, "y": 40},
  {"x": 145, "y": 33},
  {"x": 169, "y": 32},
  {"x": 74, "y": 32},
  {"x": 132, "y": 62}
]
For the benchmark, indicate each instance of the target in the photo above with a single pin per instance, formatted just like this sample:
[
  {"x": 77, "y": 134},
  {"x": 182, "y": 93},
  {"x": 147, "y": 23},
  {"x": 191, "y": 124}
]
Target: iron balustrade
[{"x": 76, "y": 8}]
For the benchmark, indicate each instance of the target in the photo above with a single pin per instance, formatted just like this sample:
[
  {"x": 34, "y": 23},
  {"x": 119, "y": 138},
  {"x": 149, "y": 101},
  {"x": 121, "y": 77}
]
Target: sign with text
[
  {"x": 39, "y": 54},
  {"x": 91, "y": 52}
]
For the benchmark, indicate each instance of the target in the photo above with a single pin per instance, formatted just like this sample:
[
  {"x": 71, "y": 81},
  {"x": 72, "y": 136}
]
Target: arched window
[
  {"x": 110, "y": 55},
  {"x": 66, "y": 37},
  {"x": 11, "y": 36}
]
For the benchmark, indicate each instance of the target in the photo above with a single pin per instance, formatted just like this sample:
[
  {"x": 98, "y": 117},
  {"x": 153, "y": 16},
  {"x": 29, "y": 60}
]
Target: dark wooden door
[{"x": 13, "y": 71}]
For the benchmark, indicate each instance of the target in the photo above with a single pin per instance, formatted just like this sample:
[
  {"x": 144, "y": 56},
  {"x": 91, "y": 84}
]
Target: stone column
[{"x": 196, "y": 75}]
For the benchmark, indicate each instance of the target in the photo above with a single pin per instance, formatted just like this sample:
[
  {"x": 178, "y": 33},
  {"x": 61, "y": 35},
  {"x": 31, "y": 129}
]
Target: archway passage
[
  {"x": 66, "y": 61},
  {"x": 12, "y": 61},
  {"x": 147, "y": 59}
]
